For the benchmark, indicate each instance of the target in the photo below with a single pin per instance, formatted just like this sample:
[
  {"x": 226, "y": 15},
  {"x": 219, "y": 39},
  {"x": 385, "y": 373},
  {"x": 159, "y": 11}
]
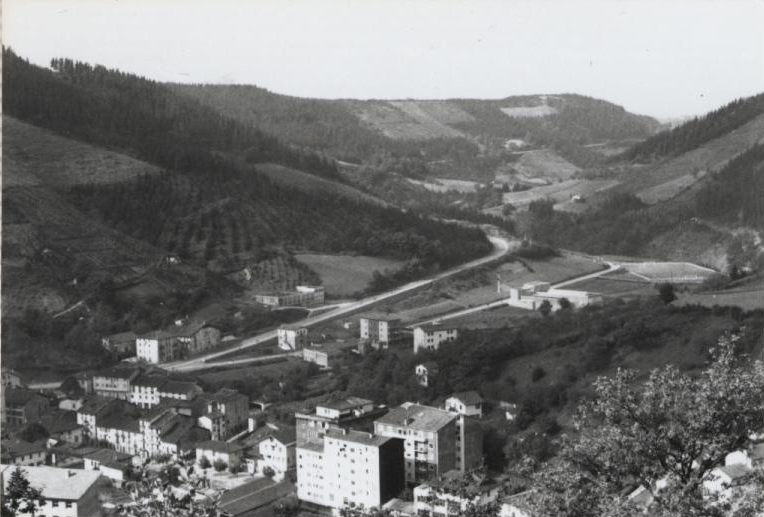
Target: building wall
[
  {"x": 292, "y": 339},
  {"x": 469, "y": 445},
  {"x": 30, "y": 460},
  {"x": 431, "y": 339},
  {"x": 277, "y": 456},
  {"x": 311, "y": 481},
  {"x": 112, "y": 387},
  {"x": 204, "y": 339}
]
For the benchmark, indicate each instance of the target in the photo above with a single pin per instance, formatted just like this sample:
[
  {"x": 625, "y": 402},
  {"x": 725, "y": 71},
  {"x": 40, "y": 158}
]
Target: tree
[
  {"x": 666, "y": 292},
  {"x": 20, "y": 497},
  {"x": 675, "y": 428},
  {"x": 33, "y": 432},
  {"x": 220, "y": 465},
  {"x": 287, "y": 507},
  {"x": 204, "y": 462},
  {"x": 565, "y": 304},
  {"x": 545, "y": 308},
  {"x": 268, "y": 472}
]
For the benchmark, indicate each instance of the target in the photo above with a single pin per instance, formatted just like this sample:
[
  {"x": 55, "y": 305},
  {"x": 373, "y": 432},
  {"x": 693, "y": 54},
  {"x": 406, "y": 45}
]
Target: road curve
[{"x": 501, "y": 247}]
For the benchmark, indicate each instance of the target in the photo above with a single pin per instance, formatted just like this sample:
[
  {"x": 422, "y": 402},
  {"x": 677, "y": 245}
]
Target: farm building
[
  {"x": 429, "y": 337},
  {"x": 176, "y": 342},
  {"x": 532, "y": 294},
  {"x": 302, "y": 296},
  {"x": 325, "y": 355}
]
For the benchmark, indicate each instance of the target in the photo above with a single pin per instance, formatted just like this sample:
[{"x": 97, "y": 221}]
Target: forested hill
[
  {"x": 208, "y": 203},
  {"x": 463, "y": 130},
  {"x": 122, "y": 111},
  {"x": 697, "y": 131}
]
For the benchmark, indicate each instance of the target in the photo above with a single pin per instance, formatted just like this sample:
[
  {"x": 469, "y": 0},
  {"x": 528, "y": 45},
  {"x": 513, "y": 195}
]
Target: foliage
[
  {"x": 675, "y": 428},
  {"x": 19, "y": 497},
  {"x": 204, "y": 462},
  {"x": 220, "y": 465},
  {"x": 666, "y": 292},
  {"x": 545, "y": 308},
  {"x": 268, "y": 472},
  {"x": 697, "y": 131}
]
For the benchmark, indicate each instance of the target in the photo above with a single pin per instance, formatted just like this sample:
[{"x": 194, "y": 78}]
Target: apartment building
[
  {"x": 148, "y": 391},
  {"x": 381, "y": 330},
  {"x": 226, "y": 414},
  {"x": 178, "y": 341},
  {"x": 115, "y": 382},
  {"x": 430, "y": 337},
  {"x": 345, "y": 413},
  {"x": 350, "y": 468},
  {"x": 430, "y": 437},
  {"x": 22, "y": 406},
  {"x": 121, "y": 344},
  {"x": 453, "y": 492},
  {"x": 292, "y": 337},
  {"x": 65, "y": 492},
  {"x": 277, "y": 453}
]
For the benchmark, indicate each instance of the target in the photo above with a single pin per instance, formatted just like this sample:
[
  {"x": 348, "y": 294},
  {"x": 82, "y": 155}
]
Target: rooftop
[
  {"x": 108, "y": 456},
  {"x": 179, "y": 387},
  {"x": 20, "y": 396},
  {"x": 151, "y": 381},
  {"x": 56, "y": 483},
  {"x": 59, "y": 421},
  {"x": 20, "y": 447},
  {"x": 346, "y": 403},
  {"x": 315, "y": 447},
  {"x": 118, "y": 372},
  {"x": 434, "y": 327},
  {"x": 122, "y": 336},
  {"x": 416, "y": 417},
  {"x": 284, "y": 434},
  {"x": 120, "y": 422},
  {"x": 467, "y": 397},
  {"x": 357, "y": 437},
  {"x": 243, "y": 500},
  {"x": 381, "y": 316},
  {"x": 218, "y": 446}
]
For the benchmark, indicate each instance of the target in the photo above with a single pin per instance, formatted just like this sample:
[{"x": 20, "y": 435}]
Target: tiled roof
[
  {"x": 108, "y": 456},
  {"x": 20, "y": 396},
  {"x": 122, "y": 336},
  {"x": 57, "y": 483},
  {"x": 284, "y": 434},
  {"x": 121, "y": 422},
  {"x": 21, "y": 448},
  {"x": 346, "y": 403},
  {"x": 58, "y": 421},
  {"x": 218, "y": 446},
  {"x": 437, "y": 326},
  {"x": 416, "y": 417},
  {"x": 150, "y": 381},
  {"x": 469, "y": 398},
  {"x": 179, "y": 387}
]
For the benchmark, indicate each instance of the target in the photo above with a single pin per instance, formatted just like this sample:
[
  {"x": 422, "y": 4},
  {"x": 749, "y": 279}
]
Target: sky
[{"x": 667, "y": 58}]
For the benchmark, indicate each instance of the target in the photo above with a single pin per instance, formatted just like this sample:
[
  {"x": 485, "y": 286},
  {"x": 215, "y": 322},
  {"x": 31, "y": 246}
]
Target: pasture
[{"x": 344, "y": 275}]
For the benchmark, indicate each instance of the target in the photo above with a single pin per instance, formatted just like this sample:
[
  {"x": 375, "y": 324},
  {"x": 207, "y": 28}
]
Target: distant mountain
[{"x": 468, "y": 134}]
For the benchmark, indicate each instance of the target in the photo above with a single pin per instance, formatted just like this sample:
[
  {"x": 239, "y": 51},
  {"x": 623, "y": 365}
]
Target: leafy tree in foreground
[
  {"x": 666, "y": 292},
  {"x": 19, "y": 497},
  {"x": 673, "y": 429}
]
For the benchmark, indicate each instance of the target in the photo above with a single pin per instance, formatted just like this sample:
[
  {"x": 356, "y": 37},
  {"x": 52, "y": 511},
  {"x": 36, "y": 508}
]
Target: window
[
  {"x": 68, "y": 504},
  {"x": 54, "y": 503}
]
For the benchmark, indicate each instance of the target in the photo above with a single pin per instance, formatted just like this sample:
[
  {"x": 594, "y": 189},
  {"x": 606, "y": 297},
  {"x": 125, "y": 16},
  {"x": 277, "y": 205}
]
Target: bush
[
  {"x": 220, "y": 465},
  {"x": 268, "y": 472},
  {"x": 235, "y": 467},
  {"x": 537, "y": 374},
  {"x": 204, "y": 462}
]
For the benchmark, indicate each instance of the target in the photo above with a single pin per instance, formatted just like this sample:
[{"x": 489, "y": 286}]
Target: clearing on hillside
[
  {"x": 561, "y": 192},
  {"x": 344, "y": 275},
  {"x": 542, "y": 110},
  {"x": 38, "y": 156}
]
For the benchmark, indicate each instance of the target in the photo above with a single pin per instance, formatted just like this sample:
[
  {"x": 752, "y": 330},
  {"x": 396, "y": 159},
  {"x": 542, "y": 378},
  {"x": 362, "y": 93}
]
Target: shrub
[
  {"x": 538, "y": 373},
  {"x": 220, "y": 465},
  {"x": 204, "y": 462}
]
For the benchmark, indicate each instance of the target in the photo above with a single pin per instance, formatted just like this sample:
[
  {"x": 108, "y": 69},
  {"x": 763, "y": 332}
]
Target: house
[
  {"x": 226, "y": 414},
  {"x": 381, "y": 330},
  {"x": 510, "y": 409},
  {"x": 115, "y": 382},
  {"x": 277, "y": 453},
  {"x": 346, "y": 413},
  {"x": 65, "y": 492},
  {"x": 22, "y": 406},
  {"x": 85, "y": 380},
  {"x": 149, "y": 390},
  {"x": 451, "y": 493},
  {"x": 429, "y": 337},
  {"x": 350, "y": 468},
  {"x": 429, "y": 435},
  {"x": 325, "y": 355},
  {"x": 721, "y": 479},
  {"x": 292, "y": 337},
  {"x": 425, "y": 372},
  {"x": 12, "y": 379},
  {"x": 111, "y": 464},
  {"x": 90, "y": 409},
  {"x": 120, "y": 345},
  {"x": 121, "y": 431},
  {"x": 751, "y": 457},
  {"x": 467, "y": 403},
  {"x": 166, "y": 431},
  {"x": 179, "y": 390},
  {"x": 62, "y": 427},
  {"x": 252, "y": 499},
  {"x": 176, "y": 342},
  {"x": 20, "y": 452},
  {"x": 302, "y": 296},
  {"x": 215, "y": 450}
]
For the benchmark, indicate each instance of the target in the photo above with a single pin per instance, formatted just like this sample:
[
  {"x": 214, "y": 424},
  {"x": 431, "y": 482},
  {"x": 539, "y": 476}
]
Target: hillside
[
  {"x": 696, "y": 132},
  {"x": 462, "y": 138}
]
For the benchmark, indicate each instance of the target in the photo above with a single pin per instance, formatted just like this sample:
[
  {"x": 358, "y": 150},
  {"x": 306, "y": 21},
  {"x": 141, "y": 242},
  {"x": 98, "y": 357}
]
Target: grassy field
[
  {"x": 545, "y": 163},
  {"x": 560, "y": 192},
  {"x": 410, "y": 120},
  {"x": 444, "y": 185},
  {"x": 614, "y": 287},
  {"x": 38, "y": 157},
  {"x": 343, "y": 275},
  {"x": 748, "y": 299}
]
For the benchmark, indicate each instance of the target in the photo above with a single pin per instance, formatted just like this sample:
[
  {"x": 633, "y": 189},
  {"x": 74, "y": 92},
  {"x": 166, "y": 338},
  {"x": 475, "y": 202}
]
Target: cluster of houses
[
  {"x": 178, "y": 341},
  {"x": 376, "y": 332},
  {"x": 531, "y": 295}
]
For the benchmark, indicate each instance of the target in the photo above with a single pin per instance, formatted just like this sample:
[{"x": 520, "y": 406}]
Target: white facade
[
  {"x": 278, "y": 456},
  {"x": 439, "y": 502},
  {"x": 292, "y": 338},
  {"x": 430, "y": 338},
  {"x": 123, "y": 440},
  {"x": 532, "y": 294}
]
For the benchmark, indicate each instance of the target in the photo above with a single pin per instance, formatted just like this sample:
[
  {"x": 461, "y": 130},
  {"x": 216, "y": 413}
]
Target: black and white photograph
[{"x": 397, "y": 258}]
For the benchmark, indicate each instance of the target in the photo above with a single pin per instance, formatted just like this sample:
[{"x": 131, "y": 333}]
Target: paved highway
[{"x": 501, "y": 247}]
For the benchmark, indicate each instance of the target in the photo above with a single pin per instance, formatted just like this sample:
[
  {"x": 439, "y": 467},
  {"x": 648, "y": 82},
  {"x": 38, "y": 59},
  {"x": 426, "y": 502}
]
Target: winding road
[{"x": 501, "y": 246}]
